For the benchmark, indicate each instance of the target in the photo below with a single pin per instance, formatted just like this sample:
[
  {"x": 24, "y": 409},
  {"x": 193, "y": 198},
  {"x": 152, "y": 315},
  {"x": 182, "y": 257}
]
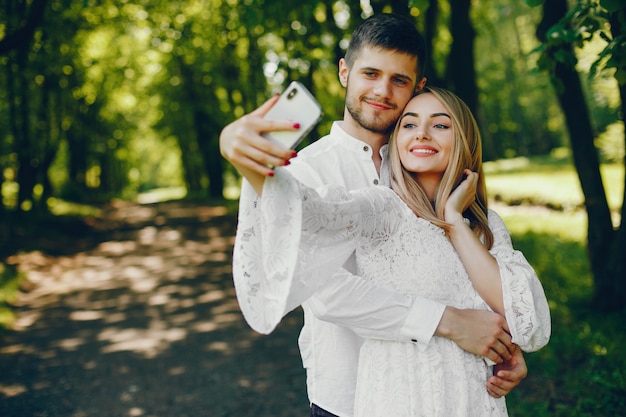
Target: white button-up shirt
[{"x": 339, "y": 311}]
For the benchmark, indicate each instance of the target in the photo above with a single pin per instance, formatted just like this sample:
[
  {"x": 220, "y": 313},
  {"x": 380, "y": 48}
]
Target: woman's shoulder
[
  {"x": 493, "y": 217},
  {"x": 379, "y": 193}
]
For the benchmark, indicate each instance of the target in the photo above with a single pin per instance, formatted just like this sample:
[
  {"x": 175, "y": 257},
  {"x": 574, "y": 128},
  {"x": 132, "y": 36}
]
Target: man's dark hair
[{"x": 388, "y": 31}]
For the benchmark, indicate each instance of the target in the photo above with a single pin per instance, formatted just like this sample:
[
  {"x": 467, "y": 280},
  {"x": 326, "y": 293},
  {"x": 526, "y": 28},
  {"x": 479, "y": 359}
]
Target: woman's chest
[{"x": 417, "y": 258}]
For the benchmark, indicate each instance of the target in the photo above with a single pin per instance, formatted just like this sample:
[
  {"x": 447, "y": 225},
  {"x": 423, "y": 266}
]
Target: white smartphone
[{"x": 297, "y": 104}]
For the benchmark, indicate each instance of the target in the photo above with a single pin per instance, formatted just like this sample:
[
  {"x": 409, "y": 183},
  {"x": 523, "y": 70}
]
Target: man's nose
[{"x": 383, "y": 87}]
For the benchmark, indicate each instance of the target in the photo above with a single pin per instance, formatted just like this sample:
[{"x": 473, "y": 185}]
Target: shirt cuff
[{"x": 422, "y": 321}]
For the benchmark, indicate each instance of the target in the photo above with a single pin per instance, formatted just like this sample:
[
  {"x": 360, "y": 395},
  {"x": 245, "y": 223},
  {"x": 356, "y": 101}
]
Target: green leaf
[
  {"x": 419, "y": 4},
  {"x": 612, "y": 5},
  {"x": 565, "y": 57},
  {"x": 534, "y": 3}
]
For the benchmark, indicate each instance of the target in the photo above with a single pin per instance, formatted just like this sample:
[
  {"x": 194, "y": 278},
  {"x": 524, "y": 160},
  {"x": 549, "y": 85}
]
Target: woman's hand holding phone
[
  {"x": 298, "y": 105},
  {"x": 242, "y": 144}
]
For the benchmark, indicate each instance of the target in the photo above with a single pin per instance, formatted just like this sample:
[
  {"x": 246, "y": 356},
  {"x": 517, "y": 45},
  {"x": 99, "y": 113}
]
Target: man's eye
[{"x": 400, "y": 81}]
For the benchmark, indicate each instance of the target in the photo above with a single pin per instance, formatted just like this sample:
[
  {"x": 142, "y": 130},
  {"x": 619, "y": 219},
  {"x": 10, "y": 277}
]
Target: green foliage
[
  {"x": 138, "y": 92},
  {"x": 517, "y": 117},
  {"x": 584, "y": 21},
  {"x": 9, "y": 283},
  {"x": 611, "y": 143}
]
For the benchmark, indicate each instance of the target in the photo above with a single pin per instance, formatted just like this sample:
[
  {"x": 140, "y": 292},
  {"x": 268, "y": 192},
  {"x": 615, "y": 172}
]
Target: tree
[{"x": 559, "y": 32}]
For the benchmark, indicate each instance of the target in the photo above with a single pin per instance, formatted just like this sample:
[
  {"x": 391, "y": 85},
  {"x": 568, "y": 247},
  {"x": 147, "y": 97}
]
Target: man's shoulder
[{"x": 323, "y": 144}]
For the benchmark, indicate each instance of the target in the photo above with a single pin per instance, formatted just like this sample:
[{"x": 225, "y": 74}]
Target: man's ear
[
  {"x": 420, "y": 84},
  {"x": 343, "y": 72}
]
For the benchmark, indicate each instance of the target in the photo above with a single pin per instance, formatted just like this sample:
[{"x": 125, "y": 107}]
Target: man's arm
[
  {"x": 372, "y": 312},
  {"x": 481, "y": 332},
  {"x": 378, "y": 313}
]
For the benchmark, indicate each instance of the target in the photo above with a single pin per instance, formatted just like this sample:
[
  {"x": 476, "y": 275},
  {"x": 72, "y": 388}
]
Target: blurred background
[{"x": 111, "y": 103}]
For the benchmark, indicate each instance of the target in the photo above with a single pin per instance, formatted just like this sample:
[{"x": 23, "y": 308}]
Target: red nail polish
[
  {"x": 286, "y": 163},
  {"x": 270, "y": 174},
  {"x": 294, "y": 154},
  {"x": 296, "y": 125}
]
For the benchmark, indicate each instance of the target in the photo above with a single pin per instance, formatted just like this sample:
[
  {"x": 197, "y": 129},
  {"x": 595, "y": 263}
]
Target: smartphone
[{"x": 296, "y": 104}]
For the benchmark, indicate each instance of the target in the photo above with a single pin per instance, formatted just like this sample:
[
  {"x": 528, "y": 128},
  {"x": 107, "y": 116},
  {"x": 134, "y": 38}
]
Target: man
[{"x": 381, "y": 71}]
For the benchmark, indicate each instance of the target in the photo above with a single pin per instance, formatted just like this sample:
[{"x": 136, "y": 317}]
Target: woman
[{"x": 434, "y": 235}]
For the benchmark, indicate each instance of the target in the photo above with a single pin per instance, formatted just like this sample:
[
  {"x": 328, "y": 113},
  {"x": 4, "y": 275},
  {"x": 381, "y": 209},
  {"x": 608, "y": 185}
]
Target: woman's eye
[{"x": 441, "y": 126}]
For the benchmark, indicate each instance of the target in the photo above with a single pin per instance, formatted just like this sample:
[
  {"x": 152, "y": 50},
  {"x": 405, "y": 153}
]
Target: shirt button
[
  {"x": 414, "y": 340},
  {"x": 375, "y": 182},
  {"x": 366, "y": 148}
]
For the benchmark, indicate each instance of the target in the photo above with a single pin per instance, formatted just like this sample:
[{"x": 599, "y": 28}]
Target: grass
[
  {"x": 9, "y": 283},
  {"x": 550, "y": 181},
  {"x": 582, "y": 371}
]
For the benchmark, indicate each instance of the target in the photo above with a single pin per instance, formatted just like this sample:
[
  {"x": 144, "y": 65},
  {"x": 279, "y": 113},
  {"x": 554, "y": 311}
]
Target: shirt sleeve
[
  {"x": 290, "y": 247},
  {"x": 526, "y": 307},
  {"x": 374, "y": 312}
]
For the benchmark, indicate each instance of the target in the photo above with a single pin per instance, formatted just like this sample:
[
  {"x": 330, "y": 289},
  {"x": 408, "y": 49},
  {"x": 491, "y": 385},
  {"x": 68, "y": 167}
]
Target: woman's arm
[
  {"x": 242, "y": 144},
  {"x": 525, "y": 303},
  {"x": 480, "y": 265},
  {"x": 502, "y": 276}
]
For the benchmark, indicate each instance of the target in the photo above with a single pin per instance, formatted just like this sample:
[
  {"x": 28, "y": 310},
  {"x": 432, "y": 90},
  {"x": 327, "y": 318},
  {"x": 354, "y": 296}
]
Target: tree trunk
[
  {"x": 614, "y": 281},
  {"x": 207, "y": 136},
  {"x": 22, "y": 132},
  {"x": 77, "y": 162},
  {"x": 430, "y": 29},
  {"x": 461, "y": 73},
  {"x": 601, "y": 238}
]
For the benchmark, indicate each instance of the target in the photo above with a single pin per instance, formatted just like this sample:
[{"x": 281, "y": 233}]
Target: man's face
[{"x": 378, "y": 86}]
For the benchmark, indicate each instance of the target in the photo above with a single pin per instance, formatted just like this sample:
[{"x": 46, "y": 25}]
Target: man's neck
[{"x": 374, "y": 140}]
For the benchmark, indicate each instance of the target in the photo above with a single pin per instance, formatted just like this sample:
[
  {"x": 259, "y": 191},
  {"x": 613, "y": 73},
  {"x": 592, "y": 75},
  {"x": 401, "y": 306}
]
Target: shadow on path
[{"x": 146, "y": 323}]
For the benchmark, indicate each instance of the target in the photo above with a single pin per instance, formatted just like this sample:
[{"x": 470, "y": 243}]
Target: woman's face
[{"x": 425, "y": 138}]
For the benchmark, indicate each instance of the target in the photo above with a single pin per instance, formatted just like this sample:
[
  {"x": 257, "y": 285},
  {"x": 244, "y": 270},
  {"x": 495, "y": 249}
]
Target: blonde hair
[{"x": 466, "y": 153}]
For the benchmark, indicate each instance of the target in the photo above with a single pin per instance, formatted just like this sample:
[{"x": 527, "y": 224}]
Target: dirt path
[{"x": 145, "y": 323}]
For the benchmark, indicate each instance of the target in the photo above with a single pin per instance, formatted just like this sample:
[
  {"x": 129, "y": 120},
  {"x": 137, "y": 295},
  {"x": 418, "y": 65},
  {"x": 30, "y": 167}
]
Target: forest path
[{"x": 143, "y": 322}]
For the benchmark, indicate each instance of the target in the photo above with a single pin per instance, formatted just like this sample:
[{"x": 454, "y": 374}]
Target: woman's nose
[{"x": 421, "y": 133}]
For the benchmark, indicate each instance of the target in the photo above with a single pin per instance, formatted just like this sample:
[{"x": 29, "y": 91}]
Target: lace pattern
[{"x": 295, "y": 235}]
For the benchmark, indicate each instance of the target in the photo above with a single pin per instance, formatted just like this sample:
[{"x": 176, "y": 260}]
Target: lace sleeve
[
  {"x": 525, "y": 303},
  {"x": 288, "y": 244}
]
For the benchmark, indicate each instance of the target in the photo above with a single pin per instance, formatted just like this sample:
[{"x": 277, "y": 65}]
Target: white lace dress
[{"x": 306, "y": 237}]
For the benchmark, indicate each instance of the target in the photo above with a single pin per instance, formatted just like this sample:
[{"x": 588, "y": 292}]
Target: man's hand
[
  {"x": 507, "y": 375},
  {"x": 481, "y": 332},
  {"x": 243, "y": 146}
]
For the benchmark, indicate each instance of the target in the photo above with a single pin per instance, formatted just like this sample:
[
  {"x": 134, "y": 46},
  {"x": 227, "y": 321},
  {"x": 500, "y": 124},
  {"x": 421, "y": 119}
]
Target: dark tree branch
[{"x": 21, "y": 37}]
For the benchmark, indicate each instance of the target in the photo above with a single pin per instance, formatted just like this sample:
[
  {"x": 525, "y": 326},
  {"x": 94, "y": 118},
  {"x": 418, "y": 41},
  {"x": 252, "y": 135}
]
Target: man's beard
[{"x": 373, "y": 124}]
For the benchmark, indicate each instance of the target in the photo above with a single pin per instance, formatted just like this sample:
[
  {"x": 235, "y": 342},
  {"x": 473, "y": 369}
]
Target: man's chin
[
  {"x": 381, "y": 128},
  {"x": 374, "y": 122}
]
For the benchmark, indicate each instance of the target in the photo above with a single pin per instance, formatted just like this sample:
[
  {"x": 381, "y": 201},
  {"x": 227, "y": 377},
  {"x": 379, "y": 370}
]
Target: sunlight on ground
[{"x": 152, "y": 270}]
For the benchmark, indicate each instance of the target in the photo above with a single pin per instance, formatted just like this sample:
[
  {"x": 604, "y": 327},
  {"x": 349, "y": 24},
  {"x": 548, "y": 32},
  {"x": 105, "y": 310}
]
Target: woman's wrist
[{"x": 454, "y": 220}]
